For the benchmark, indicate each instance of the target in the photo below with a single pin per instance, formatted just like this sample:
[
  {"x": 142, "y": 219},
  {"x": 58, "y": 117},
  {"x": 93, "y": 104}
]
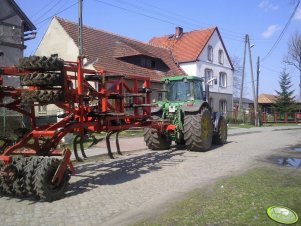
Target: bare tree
[
  {"x": 293, "y": 57},
  {"x": 237, "y": 77}
]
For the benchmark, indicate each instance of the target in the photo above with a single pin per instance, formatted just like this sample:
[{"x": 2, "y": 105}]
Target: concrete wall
[
  {"x": 11, "y": 41},
  {"x": 11, "y": 35},
  {"x": 217, "y": 98},
  {"x": 198, "y": 68}
]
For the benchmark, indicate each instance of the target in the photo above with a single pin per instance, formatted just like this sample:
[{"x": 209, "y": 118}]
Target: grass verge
[{"x": 238, "y": 200}]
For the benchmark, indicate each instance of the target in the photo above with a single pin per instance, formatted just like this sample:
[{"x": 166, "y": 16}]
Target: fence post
[
  {"x": 264, "y": 117},
  {"x": 285, "y": 117},
  {"x": 275, "y": 117}
]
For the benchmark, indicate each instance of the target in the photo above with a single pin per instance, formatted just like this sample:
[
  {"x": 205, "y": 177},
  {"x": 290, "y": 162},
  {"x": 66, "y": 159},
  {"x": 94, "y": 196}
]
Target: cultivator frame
[{"x": 111, "y": 104}]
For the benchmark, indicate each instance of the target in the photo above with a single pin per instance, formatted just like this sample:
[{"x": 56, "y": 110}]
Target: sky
[{"x": 263, "y": 20}]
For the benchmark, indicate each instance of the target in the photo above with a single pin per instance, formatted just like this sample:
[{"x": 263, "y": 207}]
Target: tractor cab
[{"x": 183, "y": 88}]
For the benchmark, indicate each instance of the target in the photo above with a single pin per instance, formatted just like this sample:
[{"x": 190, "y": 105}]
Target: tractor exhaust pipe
[
  {"x": 207, "y": 92},
  {"x": 207, "y": 87}
]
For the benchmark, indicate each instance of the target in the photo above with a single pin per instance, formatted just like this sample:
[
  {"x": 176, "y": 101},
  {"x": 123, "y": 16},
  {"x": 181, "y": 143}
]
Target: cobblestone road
[{"x": 121, "y": 191}]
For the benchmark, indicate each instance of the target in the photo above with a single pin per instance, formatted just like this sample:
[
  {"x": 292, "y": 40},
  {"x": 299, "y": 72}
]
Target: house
[
  {"x": 15, "y": 29},
  {"x": 203, "y": 53},
  {"x": 265, "y": 102},
  {"x": 247, "y": 104},
  {"x": 113, "y": 53}
]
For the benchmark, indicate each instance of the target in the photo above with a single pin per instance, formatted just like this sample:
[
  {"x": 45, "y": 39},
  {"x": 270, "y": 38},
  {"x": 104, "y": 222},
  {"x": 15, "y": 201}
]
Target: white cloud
[
  {"x": 267, "y": 5},
  {"x": 270, "y": 31},
  {"x": 298, "y": 14}
]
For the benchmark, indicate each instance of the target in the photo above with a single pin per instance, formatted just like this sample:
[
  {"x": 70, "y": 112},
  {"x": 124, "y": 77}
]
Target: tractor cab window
[
  {"x": 178, "y": 91},
  {"x": 198, "y": 90}
]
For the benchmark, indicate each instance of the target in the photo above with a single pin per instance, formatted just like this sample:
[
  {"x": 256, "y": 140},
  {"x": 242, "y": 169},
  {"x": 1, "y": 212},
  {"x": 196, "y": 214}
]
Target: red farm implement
[{"x": 92, "y": 101}]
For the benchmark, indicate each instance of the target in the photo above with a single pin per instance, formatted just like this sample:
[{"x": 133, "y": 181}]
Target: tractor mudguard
[
  {"x": 196, "y": 107},
  {"x": 156, "y": 109}
]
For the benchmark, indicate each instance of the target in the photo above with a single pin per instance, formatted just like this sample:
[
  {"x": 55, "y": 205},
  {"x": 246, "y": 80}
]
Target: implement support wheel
[{"x": 44, "y": 188}]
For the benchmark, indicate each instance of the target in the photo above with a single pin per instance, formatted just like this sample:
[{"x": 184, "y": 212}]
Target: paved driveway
[{"x": 138, "y": 184}]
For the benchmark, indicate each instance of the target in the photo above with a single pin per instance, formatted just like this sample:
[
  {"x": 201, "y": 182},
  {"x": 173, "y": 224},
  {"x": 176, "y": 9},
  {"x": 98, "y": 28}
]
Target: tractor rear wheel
[
  {"x": 155, "y": 140},
  {"x": 44, "y": 187},
  {"x": 198, "y": 131},
  {"x": 220, "y": 136}
]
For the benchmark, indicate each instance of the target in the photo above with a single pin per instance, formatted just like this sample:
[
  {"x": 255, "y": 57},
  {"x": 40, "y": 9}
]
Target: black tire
[
  {"x": 29, "y": 171},
  {"x": 42, "y": 96},
  {"x": 41, "y": 63},
  {"x": 198, "y": 131},
  {"x": 220, "y": 137},
  {"x": 42, "y": 79},
  {"x": 155, "y": 140},
  {"x": 1, "y": 185},
  {"x": 19, "y": 185},
  {"x": 44, "y": 188}
]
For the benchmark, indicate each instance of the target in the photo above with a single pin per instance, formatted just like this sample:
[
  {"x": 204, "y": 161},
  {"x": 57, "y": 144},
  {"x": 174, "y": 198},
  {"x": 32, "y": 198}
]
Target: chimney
[{"x": 179, "y": 32}]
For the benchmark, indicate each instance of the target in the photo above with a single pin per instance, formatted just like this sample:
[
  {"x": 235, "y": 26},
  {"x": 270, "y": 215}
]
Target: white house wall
[
  {"x": 56, "y": 40},
  {"x": 190, "y": 68},
  {"x": 204, "y": 64},
  {"x": 198, "y": 68}
]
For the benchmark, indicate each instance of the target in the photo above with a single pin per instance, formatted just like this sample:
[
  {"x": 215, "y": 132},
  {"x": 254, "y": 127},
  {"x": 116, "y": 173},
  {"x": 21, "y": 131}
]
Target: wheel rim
[
  {"x": 223, "y": 129},
  {"x": 204, "y": 128}
]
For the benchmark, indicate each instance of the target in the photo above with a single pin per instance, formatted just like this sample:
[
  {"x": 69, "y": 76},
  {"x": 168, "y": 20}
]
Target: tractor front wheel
[
  {"x": 198, "y": 131},
  {"x": 220, "y": 136}
]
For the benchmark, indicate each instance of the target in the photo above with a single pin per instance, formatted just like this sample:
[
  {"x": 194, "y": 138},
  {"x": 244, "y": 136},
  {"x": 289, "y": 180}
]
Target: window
[
  {"x": 221, "y": 56},
  {"x": 223, "y": 79},
  {"x": 198, "y": 90},
  {"x": 208, "y": 76},
  {"x": 223, "y": 106},
  {"x": 142, "y": 61},
  {"x": 146, "y": 62},
  {"x": 210, "y": 53},
  {"x": 42, "y": 109}
]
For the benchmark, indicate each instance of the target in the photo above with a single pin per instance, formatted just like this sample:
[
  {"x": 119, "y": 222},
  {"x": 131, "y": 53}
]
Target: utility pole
[
  {"x": 243, "y": 75},
  {"x": 252, "y": 77},
  {"x": 257, "y": 87},
  {"x": 80, "y": 28}
]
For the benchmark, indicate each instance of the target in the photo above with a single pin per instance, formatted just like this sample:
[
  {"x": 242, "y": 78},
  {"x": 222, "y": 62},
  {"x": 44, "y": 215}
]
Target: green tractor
[{"x": 185, "y": 107}]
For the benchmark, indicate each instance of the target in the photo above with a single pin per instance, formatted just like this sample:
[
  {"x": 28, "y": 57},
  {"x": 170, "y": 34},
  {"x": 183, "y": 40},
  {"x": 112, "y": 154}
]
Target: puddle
[
  {"x": 292, "y": 162},
  {"x": 297, "y": 149}
]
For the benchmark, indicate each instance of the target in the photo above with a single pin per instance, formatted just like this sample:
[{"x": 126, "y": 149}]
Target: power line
[
  {"x": 46, "y": 10},
  {"x": 282, "y": 32},
  {"x": 55, "y": 14},
  {"x": 166, "y": 19}
]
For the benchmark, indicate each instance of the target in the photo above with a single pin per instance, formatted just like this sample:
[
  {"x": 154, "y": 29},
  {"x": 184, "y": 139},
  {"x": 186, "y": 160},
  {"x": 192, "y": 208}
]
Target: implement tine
[
  {"x": 109, "y": 145},
  {"x": 117, "y": 143}
]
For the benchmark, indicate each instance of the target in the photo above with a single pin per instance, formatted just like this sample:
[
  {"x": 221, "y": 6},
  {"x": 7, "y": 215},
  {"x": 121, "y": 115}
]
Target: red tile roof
[
  {"x": 108, "y": 51},
  {"x": 188, "y": 46}
]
